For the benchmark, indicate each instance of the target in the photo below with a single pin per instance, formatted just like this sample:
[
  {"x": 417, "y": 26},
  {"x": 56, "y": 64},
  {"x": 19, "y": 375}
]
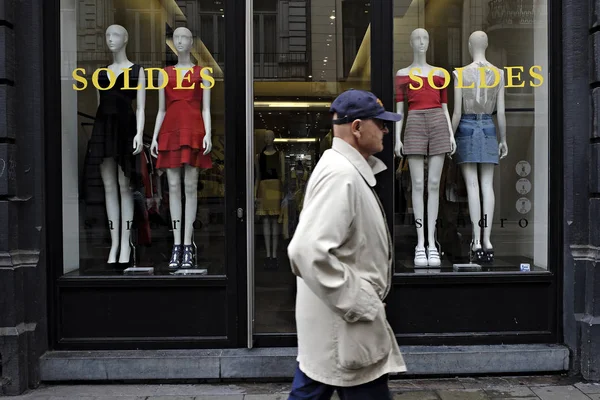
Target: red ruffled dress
[{"x": 182, "y": 131}]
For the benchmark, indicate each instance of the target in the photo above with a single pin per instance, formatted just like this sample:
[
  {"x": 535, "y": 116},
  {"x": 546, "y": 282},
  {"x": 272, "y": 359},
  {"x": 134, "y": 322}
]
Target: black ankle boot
[
  {"x": 175, "y": 261},
  {"x": 188, "y": 257}
]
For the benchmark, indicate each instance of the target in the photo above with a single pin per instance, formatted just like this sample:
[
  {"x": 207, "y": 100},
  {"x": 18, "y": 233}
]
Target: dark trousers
[{"x": 304, "y": 388}]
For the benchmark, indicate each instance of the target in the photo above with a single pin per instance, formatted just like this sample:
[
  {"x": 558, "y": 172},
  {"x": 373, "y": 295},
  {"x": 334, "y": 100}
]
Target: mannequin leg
[
  {"x": 190, "y": 181},
  {"x": 435, "y": 166},
  {"x": 487, "y": 191},
  {"x": 470, "y": 175},
  {"x": 417, "y": 176},
  {"x": 108, "y": 172},
  {"x": 275, "y": 232},
  {"x": 126, "y": 216},
  {"x": 267, "y": 234},
  {"x": 174, "y": 179}
]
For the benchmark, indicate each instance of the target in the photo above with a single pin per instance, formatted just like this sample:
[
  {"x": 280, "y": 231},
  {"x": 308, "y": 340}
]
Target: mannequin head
[
  {"x": 478, "y": 42},
  {"x": 183, "y": 40},
  {"x": 419, "y": 40},
  {"x": 269, "y": 138},
  {"x": 116, "y": 38}
]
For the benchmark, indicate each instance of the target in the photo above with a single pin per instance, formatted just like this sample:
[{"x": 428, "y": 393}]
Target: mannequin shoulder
[{"x": 403, "y": 72}]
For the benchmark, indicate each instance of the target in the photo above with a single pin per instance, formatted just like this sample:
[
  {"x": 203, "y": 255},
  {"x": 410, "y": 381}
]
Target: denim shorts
[{"x": 476, "y": 140}]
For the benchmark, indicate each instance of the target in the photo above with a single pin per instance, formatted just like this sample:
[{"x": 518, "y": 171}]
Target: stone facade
[
  {"x": 581, "y": 185},
  {"x": 23, "y": 134},
  {"x": 23, "y": 297}
]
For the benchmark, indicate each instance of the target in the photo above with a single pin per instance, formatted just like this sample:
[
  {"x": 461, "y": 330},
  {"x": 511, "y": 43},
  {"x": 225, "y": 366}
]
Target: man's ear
[{"x": 356, "y": 125}]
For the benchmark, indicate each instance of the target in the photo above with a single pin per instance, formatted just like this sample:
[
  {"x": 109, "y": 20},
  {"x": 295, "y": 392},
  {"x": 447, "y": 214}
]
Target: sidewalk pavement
[{"x": 552, "y": 387}]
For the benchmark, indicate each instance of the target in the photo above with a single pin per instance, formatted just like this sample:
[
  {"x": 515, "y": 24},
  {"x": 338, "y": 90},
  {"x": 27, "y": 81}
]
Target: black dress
[{"x": 112, "y": 135}]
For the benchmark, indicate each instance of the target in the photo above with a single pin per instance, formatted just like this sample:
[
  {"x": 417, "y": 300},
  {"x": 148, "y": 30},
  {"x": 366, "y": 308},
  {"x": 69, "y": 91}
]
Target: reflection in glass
[
  {"x": 143, "y": 180},
  {"x": 305, "y": 54},
  {"x": 477, "y": 226}
]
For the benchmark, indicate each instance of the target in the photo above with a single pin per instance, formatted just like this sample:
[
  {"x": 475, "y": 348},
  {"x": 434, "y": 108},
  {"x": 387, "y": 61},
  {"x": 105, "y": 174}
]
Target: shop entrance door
[{"x": 304, "y": 54}]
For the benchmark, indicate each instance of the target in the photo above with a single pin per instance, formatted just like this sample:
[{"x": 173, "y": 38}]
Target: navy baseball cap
[{"x": 360, "y": 104}]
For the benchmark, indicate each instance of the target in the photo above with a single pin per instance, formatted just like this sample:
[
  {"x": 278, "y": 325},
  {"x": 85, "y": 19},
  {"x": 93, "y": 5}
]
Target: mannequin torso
[{"x": 479, "y": 95}]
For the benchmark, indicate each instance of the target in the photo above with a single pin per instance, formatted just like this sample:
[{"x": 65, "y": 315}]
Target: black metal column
[{"x": 382, "y": 84}]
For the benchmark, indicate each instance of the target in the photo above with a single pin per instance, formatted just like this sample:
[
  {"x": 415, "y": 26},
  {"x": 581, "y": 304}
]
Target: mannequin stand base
[
  {"x": 466, "y": 267},
  {"x": 425, "y": 267},
  {"x": 139, "y": 271},
  {"x": 201, "y": 268},
  {"x": 189, "y": 271}
]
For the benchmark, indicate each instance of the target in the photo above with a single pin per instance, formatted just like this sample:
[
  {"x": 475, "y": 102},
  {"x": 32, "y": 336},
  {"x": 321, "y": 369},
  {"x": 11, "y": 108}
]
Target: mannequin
[
  {"x": 270, "y": 167},
  {"x": 477, "y": 145},
  {"x": 428, "y": 133},
  {"x": 182, "y": 139},
  {"x": 117, "y": 137}
]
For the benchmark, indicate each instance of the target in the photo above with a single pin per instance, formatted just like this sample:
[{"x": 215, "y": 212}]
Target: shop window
[
  {"x": 143, "y": 169},
  {"x": 485, "y": 207}
]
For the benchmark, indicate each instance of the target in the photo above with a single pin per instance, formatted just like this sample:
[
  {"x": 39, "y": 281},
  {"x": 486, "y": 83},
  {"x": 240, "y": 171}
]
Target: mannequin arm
[
  {"x": 398, "y": 130},
  {"x": 206, "y": 117},
  {"x": 503, "y": 147},
  {"x": 140, "y": 117},
  {"x": 160, "y": 117},
  {"x": 457, "y": 108},
  {"x": 452, "y": 142}
]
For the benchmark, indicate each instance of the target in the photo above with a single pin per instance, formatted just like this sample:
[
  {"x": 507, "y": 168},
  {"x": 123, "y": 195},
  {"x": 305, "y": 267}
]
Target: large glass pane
[
  {"x": 305, "y": 54},
  {"x": 143, "y": 180},
  {"x": 485, "y": 207}
]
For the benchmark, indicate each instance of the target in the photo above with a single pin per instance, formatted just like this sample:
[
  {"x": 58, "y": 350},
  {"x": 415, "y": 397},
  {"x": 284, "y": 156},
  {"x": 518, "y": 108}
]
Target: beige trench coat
[{"x": 341, "y": 254}]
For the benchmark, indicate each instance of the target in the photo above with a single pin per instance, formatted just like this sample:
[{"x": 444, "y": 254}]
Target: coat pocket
[{"x": 363, "y": 343}]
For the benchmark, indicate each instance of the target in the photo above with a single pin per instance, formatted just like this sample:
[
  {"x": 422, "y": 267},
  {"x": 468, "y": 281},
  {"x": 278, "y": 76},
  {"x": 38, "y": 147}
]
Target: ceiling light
[
  {"x": 295, "y": 140},
  {"x": 292, "y": 104},
  {"x": 332, "y": 17}
]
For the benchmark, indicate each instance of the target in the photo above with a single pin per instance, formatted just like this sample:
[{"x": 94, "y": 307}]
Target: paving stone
[
  {"x": 547, "y": 380},
  {"x": 437, "y": 384},
  {"x": 588, "y": 388},
  {"x": 509, "y": 391},
  {"x": 220, "y": 397},
  {"x": 106, "y": 398},
  {"x": 465, "y": 394},
  {"x": 559, "y": 393},
  {"x": 265, "y": 397},
  {"x": 416, "y": 396},
  {"x": 515, "y": 398},
  {"x": 172, "y": 397}
]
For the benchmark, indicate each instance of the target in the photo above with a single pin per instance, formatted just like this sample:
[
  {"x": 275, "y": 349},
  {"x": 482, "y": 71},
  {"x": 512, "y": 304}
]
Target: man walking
[{"x": 341, "y": 253}]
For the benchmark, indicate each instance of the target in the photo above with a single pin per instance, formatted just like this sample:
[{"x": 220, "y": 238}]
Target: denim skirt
[{"x": 476, "y": 140}]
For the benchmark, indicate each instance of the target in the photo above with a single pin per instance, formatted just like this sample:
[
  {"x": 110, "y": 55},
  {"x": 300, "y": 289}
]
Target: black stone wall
[
  {"x": 23, "y": 332},
  {"x": 581, "y": 219}
]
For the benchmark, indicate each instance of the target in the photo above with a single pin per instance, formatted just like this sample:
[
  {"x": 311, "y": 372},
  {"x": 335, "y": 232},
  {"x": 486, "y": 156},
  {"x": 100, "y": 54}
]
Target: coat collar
[{"x": 367, "y": 168}]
